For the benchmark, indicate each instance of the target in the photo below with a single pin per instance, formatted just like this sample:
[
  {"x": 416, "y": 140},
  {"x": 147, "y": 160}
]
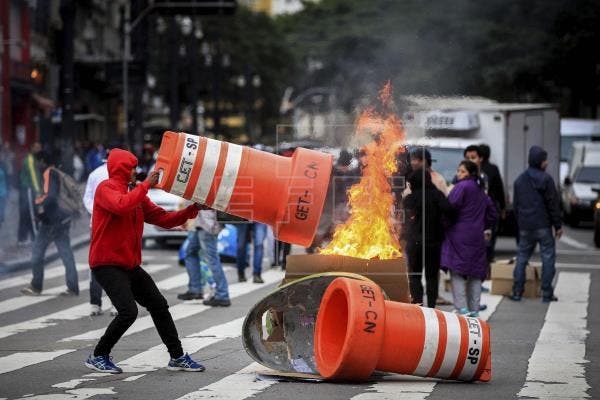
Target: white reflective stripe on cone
[
  {"x": 430, "y": 346},
  {"x": 207, "y": 172},
  {"x": 188, "y": 157},
  {"x": 452, "y": 346},
  {"x": 230, "y": 173},
  {"x": 474, "y": 350}
]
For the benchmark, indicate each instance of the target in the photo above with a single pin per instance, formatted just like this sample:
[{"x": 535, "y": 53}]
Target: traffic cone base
[
  {"x": 357, "y": 331},
  {"x": 286, "y": 193}
]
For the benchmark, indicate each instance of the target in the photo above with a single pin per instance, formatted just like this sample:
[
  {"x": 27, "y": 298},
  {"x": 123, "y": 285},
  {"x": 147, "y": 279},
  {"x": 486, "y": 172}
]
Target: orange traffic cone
[
  {"x": 357, "y": 331},
  {"x": 286, "y": 193}
]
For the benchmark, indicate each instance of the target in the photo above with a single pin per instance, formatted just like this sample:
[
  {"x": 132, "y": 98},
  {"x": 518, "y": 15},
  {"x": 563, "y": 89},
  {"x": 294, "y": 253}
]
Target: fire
[{"x": 369, "y": 231}]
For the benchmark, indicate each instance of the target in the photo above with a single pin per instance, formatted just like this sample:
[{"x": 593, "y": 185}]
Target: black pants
[
  {"x": 25, "y": 230},
  {"x": 432, "y": 271},
  {"x": 125, "y": 288}
]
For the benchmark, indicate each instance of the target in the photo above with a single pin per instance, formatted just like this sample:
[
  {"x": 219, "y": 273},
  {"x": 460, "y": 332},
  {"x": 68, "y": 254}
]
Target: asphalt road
[{"x": 538, "y": 351}]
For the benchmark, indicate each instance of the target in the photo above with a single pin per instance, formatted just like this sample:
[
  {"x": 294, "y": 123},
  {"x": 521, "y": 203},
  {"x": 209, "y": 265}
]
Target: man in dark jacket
[
  {"x": 536, "y": 206},
  {"x": 55, "y": 224},
  {"x": 116, "y": 254},
  {"x": 424, "y": 206},
  {"x": 495, "y": 191}
]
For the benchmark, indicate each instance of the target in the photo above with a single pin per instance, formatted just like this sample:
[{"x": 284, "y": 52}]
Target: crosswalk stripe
[
  {"x": 25, "y": 279},
  {"x": 20, "y": 360},
  {"x": 156, "y": 357},
  {"x": 417, "y": 388},
  {"x": 238, "y": 386},
  {"x": 16, "y": 303},
  {"x": 183, "y": 310},
  {"x": 69, "y": 314},
  {"x": 75, "y": 394},
  {"x": 556, "y": 366}
]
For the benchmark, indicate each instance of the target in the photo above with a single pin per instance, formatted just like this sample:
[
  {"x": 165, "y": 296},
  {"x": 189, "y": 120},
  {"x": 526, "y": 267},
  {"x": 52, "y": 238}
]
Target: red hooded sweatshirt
[{"x": 119, "y": 215}]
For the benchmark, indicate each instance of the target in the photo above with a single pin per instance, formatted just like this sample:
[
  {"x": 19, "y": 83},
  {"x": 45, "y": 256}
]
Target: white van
[
  {"x": 578, "y": 198},
  {"x": 575, "y": 130}
]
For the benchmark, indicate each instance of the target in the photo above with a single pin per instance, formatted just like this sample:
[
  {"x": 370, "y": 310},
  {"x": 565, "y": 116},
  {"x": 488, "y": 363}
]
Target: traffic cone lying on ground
[
  {"x": 357, "y": 332},
  {"x": 286, "y": 193}
]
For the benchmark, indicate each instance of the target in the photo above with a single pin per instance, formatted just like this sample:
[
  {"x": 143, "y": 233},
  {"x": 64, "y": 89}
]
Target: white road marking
[
  {"x": 238, "y": 386},
  {"x": 25, "y": 279},
  {"x": 415, "y": 388},
  {"x": 75, "y": 394},
  {"x": 156, "y": 357},
  {"x": 21, "y": 360},
  {"x": 72, "y": 383},
  {"x": 577, "y": 266},
  {"x": 68, "y": 314},
  {"x": 183, "y": 310},
  {"x": 18, "y": 302},
  {"x": 134, "y": 378},
  {"x": 574, "y": 243},
  {"x": 556, "y": 366}
]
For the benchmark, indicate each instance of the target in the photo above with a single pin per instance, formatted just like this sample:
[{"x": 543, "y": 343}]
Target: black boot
[
  {"x": 241, "y": 276},
  {"x": 257, "y": 279}
]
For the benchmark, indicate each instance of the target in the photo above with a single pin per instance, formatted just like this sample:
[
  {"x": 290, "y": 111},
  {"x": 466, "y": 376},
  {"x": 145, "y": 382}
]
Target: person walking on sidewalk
[
  {"x": 97, "y": 176},
  {"x": 29, "y": 189},
  {"x": 55, "y": 224},
  {"x": 116, "y": 254},
  {"x": 536, "y": 204},
  {"x": 202, "y": 239},
  {"x": 463, "y": 249}
]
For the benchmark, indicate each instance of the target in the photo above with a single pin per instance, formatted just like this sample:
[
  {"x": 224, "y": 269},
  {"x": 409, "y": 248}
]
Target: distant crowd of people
[{"x": 453, "y": 226}]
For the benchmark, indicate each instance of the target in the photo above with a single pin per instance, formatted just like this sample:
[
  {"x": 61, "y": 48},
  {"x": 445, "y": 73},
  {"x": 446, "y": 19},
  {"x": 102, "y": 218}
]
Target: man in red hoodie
[{"x": 116, "y": 254}]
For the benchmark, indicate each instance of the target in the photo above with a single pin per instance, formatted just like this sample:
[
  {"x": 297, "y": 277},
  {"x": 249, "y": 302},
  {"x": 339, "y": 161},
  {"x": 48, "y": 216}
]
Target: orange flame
[{"x": 369, "y": 231}]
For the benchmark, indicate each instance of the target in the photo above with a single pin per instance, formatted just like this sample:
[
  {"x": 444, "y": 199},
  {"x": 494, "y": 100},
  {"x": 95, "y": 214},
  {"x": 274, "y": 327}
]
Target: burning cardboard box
[
  {"x": 389, "y": 274},
  {"x": 502, "y": 278},
  {"x": 367, "y": 242}
]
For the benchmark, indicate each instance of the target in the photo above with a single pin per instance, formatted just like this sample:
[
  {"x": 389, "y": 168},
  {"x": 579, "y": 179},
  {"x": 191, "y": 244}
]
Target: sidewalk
[{"x": 13, "y": 257}]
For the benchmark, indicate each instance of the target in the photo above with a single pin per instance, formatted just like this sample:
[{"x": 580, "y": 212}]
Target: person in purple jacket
[{"x": 463, "y": 249}]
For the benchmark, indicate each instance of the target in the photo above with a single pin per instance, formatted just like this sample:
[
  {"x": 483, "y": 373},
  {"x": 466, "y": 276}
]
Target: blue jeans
[
  {"x": 210, "y": 255},
  {"x": 258, "y": 232},
  {"x": 527, "y": 241},
  {"x": 59, "y": 234},
  {"x": 192, "y": 263}
]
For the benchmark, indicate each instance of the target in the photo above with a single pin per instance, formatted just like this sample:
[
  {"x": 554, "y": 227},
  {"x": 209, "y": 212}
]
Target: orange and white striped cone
[
  {"x": 286, "y": 193},
  {"x": 357, "y": 331}
]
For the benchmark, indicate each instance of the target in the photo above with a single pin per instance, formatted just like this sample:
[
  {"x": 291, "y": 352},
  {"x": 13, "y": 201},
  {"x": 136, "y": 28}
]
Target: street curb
[{"x": 25, "y": 263}]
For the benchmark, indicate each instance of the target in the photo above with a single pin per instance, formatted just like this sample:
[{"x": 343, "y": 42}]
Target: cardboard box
[
  {"x": 389, "y": 274},
  {"x": 502, "y": 278}
]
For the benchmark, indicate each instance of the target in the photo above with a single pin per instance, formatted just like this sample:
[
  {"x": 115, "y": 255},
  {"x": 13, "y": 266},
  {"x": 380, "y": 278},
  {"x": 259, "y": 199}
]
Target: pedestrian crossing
[{"x": 556, "y": 366}]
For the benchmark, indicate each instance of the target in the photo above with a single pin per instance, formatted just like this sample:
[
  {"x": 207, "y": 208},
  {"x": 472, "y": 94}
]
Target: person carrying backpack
[{"x": 55, "y": 223}]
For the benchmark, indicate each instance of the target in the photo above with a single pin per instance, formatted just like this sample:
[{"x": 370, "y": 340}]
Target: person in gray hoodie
[{"x": 536, "y": 205}]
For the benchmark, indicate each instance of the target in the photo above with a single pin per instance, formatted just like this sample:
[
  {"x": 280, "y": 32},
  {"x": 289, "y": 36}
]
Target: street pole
[
  {"x": 67, "y": 13},
  {"x": 125, "y": 72}
]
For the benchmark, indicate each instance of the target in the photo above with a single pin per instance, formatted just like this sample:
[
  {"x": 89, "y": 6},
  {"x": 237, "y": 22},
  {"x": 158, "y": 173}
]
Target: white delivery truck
[{"x": 448, "y": 124}]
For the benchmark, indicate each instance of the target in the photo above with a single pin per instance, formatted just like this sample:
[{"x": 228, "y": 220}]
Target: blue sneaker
[
  {"x": 185, "y": 363},
  {"x": 462, "y": 311},
  {"x": 473, "y": 314},
  {"x": 102, "y": 364}
]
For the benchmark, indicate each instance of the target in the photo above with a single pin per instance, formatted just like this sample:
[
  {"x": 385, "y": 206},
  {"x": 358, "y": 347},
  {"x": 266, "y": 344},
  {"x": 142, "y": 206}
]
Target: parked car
[
  {"x": 227, "y": 240},
  {"x": 169, "y": 202},
  {"x": 577, "y": 197}
]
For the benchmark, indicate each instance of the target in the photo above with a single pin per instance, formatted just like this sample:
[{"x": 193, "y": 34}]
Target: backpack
[{"x": 69, "y": 195}]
